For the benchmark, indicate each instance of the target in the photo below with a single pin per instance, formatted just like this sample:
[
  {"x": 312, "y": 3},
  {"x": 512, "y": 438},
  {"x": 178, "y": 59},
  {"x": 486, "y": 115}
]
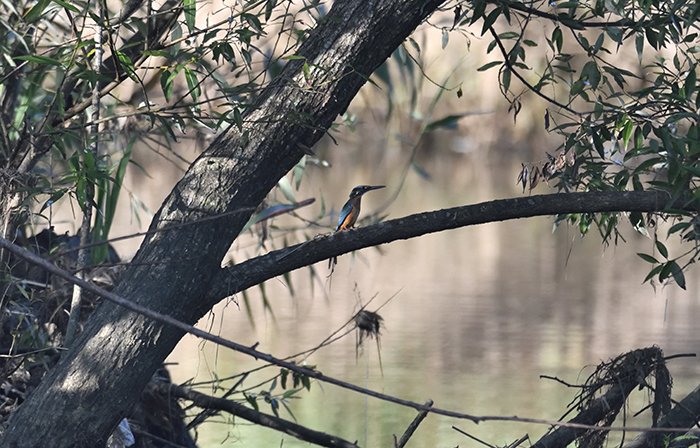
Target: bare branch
[
  {"x": 476, "y": 439},
  {"x": 413, "y": 426},
  {"x": 630, "y": 372},
  {"x": 684, "y": 414},
  {"x": 259, "y": 418}
]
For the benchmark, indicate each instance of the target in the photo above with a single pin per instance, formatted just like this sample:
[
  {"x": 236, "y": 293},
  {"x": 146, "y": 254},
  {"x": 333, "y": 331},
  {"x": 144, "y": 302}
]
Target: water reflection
[{"x": 480, "y": 313}]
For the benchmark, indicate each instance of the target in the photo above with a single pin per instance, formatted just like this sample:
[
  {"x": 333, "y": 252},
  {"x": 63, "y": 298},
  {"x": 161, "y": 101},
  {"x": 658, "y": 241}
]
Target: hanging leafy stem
[
  {"x": 208, "y": 64},
  {"x": 627, "y": 116}
]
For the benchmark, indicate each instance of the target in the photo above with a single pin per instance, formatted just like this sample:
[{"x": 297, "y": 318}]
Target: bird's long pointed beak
[{"x": 375, "y": 187}]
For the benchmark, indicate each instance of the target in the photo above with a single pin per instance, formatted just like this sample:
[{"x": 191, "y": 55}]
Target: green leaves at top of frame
[
  {"x": 490, "y": 20},
  {"x": 190, "y": 9},
  {"x": 37, "y": 11}
]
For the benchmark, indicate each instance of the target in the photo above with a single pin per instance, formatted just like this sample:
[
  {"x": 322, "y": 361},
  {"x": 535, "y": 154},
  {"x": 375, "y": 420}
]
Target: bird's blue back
[{"x": 346, "y": 212}]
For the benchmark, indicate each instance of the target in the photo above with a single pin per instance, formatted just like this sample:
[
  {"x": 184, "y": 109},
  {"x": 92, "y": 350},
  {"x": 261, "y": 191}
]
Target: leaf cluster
[{"x": 619, "y": 81}]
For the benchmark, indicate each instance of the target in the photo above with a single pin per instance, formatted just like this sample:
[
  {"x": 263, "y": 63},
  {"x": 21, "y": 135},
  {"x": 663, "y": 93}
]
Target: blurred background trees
[{"x": 599, "y": 96}]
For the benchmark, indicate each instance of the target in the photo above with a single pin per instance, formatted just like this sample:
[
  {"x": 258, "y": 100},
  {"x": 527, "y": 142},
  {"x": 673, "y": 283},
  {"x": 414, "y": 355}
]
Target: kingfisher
[{"x": 351, "y": 210}]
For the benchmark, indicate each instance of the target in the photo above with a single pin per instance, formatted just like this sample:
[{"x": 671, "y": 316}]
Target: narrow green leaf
[
  {"x": 190, "y": 8},
  {"x": 36, "y": 59},
  {"x": 647, "y": 258},
  {"x": 291, "y": 414},
  {"x": 298, "y": 172},
  {"x": 506, "y": 79},
  {"x": 67, "y": 5},
  {"x": 558, "y": 38},
  {"x": 639, "y": 45},
  {"x": 576, "y": 88},
  {"x": 490, "y": 20},
  {"x": 627, "y": 132},
  {"x": 165, "y": 85},
  {"x": 652, "y": 37},
  {"x": 478, "y": 9},
  {"x": 55, "y": 196},
  {"x": 269, "y": 7},
  {"x": 36, "y": 11},
  {"x": 653, "y": 273},
  {"x": 249, "y": 313},
  {"x": 192, "y": 84},
  {"x": 690, "y": 82},
  {"x": 488, "y": 65},
  {"x": 238, "y": 119},
  {"x": 254, "y": 23},
  {"x": 678, "y": 227},
  {"x": 662, "y": 249},
  {"x": 251, "y": 401},
  {"x": 448, "y": 122},
  {"x": 678, "y": 275}
]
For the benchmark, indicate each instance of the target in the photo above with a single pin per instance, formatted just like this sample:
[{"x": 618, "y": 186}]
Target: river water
[{"x": 477, "y": 315}]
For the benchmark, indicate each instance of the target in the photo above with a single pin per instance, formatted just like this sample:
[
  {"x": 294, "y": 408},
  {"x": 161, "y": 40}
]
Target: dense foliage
[{"x": 621, "y": 82}]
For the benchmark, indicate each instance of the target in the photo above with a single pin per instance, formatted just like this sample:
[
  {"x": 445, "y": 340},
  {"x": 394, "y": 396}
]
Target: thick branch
[
  {"x": 259, "y": 418},
  {"x": 255, "y": 271},
  {"x": 683, "y": 415},
  {"x": 98, "y": 380},
  {"x": 637, "y": 365}
]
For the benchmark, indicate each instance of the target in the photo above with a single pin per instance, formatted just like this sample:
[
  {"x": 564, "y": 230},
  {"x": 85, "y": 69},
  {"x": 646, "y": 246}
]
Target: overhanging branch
[
  {"x": 236, "y": 171},
  {"x": 234, "y": 279},
  {"x": 404, "y": 228}
]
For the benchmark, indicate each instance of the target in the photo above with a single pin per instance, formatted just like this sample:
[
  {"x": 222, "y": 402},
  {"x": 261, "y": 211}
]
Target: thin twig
[
  {"x": 413, "y": 426},
  {"x": 519, "y": 441},
  {"x": 560, "y": 381},
  {"x": 473, "y": 437},
  {"x": 517, "y": 74}
]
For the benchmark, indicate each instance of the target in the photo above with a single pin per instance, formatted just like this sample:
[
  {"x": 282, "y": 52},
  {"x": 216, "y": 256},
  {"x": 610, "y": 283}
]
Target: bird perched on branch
[{"x": 350, "y": 211}]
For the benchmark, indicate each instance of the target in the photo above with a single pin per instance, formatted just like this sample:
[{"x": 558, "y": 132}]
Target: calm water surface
[{"x": 479, "y": 314}]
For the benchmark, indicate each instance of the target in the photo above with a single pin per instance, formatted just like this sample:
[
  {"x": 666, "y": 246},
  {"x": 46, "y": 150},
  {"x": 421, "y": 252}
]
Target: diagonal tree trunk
[{"x": 102, "y": 375}]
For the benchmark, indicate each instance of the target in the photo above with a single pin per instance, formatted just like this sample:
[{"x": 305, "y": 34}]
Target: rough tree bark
[{"x": 102, "y": 375}]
